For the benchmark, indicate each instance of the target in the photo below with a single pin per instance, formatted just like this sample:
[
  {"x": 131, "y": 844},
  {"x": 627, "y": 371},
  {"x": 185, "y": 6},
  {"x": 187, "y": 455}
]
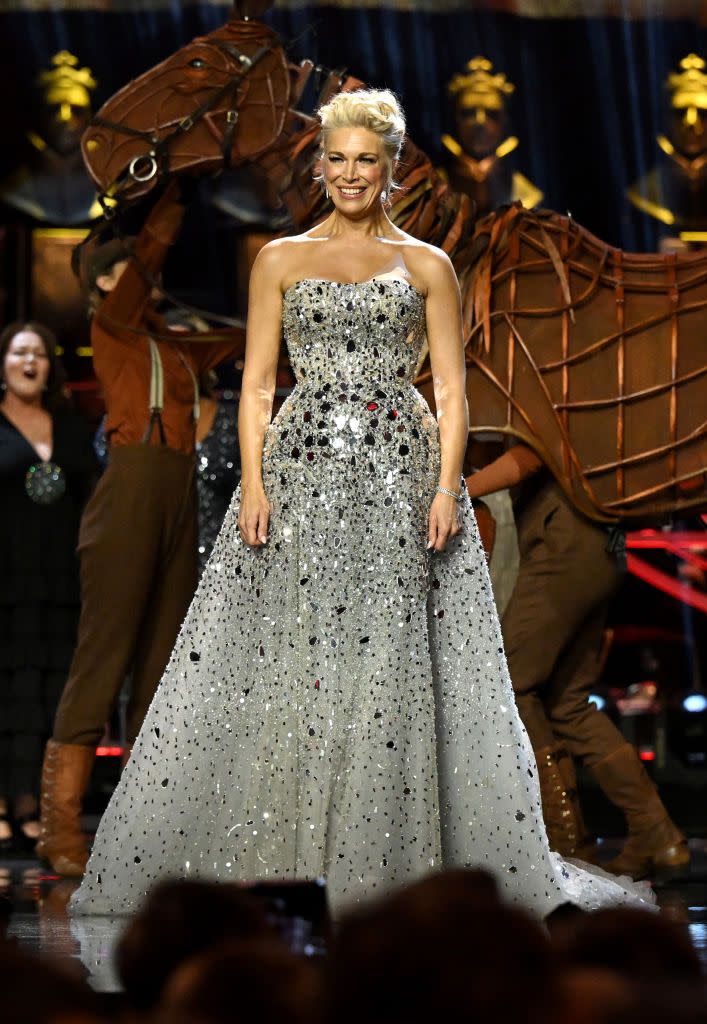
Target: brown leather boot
[
  {"x": 564, "y": 824},
  {"x": 65, "y": 774},
  {"x": 655, "y": 845},
  {"x": 585, "y": 846}
]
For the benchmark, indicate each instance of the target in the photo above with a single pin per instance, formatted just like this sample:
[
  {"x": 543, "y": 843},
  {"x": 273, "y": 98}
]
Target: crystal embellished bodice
[
  {"x": 354, "y": 349},
  {"x": 350, "y": 332}
]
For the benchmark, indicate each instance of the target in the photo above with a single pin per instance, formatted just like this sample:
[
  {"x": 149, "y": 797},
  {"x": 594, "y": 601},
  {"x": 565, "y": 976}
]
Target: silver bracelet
[{"x": 452, "y": 494}]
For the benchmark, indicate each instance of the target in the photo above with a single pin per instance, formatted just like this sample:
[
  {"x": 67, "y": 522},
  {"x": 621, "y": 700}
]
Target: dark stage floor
[{"x": 39, "y": 920}]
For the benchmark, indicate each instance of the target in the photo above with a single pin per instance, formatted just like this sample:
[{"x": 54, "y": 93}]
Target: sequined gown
[{"x": 338, "y": 703}]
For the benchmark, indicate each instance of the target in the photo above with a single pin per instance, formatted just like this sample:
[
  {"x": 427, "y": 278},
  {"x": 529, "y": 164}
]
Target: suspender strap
[
  {"x": 155, "y": 420},
  {"x": 156, "y": 378},
  {"x": 157, "y": 392}
]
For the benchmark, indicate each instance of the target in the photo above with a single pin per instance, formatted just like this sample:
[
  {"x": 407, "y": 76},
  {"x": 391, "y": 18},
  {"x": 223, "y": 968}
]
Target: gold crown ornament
[
  {"x": 479, "y": 87},
  {"x": 67, "y": 85},
  {"x": 689, "y": 85}
]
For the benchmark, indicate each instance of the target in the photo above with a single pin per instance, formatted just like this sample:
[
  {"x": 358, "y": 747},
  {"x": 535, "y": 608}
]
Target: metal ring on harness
[{"x": 135, "y": 162}]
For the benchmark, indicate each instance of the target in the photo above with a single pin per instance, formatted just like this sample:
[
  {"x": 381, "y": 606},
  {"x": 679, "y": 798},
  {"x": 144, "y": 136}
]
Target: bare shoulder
[
  {"x": 273, "y": 263},
  {"x": 273, "y": 254},
  {"x": 277, "y": 262},
  {"x": 430, "y": 267}
]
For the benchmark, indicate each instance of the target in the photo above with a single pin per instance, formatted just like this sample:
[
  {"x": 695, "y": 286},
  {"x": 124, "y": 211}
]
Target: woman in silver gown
[{"x": 338, "y": 703}]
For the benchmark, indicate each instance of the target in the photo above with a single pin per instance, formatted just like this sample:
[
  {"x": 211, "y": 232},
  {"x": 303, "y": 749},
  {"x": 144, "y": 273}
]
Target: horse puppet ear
[{"x": 248, "y": 9}]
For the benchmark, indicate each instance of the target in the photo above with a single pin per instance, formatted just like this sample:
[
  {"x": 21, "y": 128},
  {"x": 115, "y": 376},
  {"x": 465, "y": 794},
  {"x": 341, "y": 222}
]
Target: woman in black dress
[{"x": 47, "y": 466}]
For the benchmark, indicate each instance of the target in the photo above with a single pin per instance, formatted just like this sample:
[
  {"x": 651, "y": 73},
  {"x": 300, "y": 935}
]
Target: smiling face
[
  {"x": 356, "y": 169},
  {"x": 26, "y": 366}
]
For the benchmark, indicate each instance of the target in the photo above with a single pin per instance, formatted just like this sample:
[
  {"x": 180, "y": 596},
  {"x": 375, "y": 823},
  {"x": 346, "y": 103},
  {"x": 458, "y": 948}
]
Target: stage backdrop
[{"x": 589, "y": 74}]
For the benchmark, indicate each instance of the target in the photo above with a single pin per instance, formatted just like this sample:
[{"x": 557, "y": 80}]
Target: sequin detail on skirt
[{"x": 338, "y": 703}]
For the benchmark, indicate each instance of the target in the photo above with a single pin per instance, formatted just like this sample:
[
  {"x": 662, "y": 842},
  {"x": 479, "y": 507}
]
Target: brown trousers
[
  {"x": 137, "y": 546},
  {"x": 553, "y": 626}
]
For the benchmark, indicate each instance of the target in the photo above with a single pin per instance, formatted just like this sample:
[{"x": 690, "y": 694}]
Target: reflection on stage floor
[{"x": 33, "y": 905}]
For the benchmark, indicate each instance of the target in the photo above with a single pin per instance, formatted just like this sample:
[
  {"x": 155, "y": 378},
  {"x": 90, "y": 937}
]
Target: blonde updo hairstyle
[{"x": 376, "y": 110}]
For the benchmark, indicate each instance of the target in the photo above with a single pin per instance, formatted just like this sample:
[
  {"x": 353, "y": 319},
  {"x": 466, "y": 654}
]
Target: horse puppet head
[{"x": 220, "y": 101}]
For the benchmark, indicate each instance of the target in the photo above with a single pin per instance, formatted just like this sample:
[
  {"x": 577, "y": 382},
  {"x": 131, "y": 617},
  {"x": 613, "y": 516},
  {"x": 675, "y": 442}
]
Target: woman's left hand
[{"x": 445, "y": 521}]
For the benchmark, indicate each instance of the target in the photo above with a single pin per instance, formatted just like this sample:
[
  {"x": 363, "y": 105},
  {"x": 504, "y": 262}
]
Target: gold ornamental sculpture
[
  {"x": 674, "y": 191},
  {"x": 66, "y": 85},
  {"x": 50, "y": 185},
  {"x": 480, "y": 157}
]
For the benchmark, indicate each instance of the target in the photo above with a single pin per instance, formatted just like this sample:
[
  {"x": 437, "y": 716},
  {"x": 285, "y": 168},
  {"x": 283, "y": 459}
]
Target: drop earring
[
  {"x": 384, "y": 195},
  {"x": 326, "y": 191}
]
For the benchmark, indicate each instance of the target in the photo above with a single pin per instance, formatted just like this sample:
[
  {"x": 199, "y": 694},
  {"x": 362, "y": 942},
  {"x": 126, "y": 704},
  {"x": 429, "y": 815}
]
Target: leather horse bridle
[
  {"x": 146, "y": 166},
  {"x": 156, "y": 158}
]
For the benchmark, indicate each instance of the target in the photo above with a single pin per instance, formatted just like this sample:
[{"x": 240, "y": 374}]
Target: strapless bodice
[
  {"x": 354, "y": 331},
  {"x": 354, "y": 349}
]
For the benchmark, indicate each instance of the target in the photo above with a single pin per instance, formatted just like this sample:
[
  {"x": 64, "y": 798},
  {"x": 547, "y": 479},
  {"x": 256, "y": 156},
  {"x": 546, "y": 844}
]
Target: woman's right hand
[{"x": 254, "y": 515}]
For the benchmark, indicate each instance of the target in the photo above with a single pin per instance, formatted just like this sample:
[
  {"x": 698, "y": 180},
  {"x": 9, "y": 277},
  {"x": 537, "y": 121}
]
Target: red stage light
[
  {"x": 693, "y": 540},
  {"x": 674, "y": 588},
  {"x": 682, "y": 544}
]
